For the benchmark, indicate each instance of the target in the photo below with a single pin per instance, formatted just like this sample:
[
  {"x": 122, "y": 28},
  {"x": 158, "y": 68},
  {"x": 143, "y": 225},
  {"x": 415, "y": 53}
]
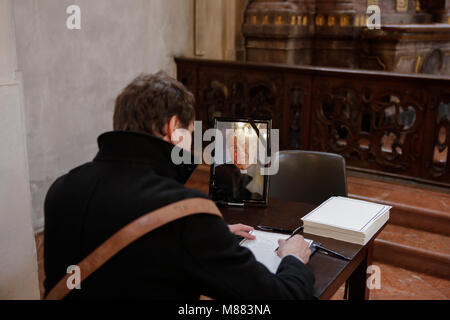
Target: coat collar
[{"x": 135, "y": 147}]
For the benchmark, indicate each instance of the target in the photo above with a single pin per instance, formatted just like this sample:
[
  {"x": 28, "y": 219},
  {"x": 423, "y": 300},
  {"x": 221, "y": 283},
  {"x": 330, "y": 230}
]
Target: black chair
[{"x": 309, "y": 177}]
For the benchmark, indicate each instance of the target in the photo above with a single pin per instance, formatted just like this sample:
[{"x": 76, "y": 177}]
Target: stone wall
[{"x": 71, "y": 77}]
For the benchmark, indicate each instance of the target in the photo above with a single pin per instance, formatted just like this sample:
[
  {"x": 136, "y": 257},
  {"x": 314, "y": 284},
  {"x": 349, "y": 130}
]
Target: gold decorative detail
[
  {"x": 320, "y": 20},
  {"x": 416, "y": 68},
  {"x": 357, "y": 21},
  {"x": 299, "y": 20},
  {"x": 402, "y": 5},
  {"x": 363, "y": 20},
  {"x": 265, "y": 19},
  {"x": 279, "y": 20},
  {"x": 305, "y": 21},
  {"x": 418, "y": 8},
  {"x": 344, "y": 21},
  {"x": 448, "y": 20},
  {"x": 254, "y": 19},
  {"x": 293, "y": 20},
  {"x": 372, "y": 3},
  {"x": 331, "y": 21}
]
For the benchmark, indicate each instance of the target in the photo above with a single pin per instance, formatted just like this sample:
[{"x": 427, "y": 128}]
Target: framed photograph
[{"x": 241, "y": 152}]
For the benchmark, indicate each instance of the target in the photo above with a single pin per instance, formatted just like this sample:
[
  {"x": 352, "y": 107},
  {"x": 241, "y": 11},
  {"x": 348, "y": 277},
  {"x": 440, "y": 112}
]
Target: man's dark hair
[{"x": 150, "y": 101}]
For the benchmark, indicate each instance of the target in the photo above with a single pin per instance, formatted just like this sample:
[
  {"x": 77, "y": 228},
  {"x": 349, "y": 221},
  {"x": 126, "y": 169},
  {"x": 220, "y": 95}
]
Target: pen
[
  {"x": 298, "y": 230},
  {"x": 328, "y": 251},
  {"x": 266, "y": 228}
]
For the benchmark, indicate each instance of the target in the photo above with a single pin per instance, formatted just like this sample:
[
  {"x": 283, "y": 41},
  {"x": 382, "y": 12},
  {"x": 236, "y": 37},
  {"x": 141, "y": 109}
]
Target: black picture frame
[{"x": 253, "y": 122}]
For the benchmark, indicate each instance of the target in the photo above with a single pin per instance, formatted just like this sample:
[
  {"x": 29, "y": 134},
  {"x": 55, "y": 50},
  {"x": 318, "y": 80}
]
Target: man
[
  {"x": 233, "y": 180},
  {"x": 133, "y": 175}
]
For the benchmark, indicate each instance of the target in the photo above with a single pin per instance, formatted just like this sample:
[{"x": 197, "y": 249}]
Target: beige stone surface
[
  {"x": 71, "y": 77},
  {"x": 18, "y": 268}
]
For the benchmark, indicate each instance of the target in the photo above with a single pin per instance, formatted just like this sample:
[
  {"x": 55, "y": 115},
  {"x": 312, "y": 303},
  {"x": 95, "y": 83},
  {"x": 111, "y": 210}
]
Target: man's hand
[
  {"x": 296, "y": 246},
  {"x": 242, "y": 231}
]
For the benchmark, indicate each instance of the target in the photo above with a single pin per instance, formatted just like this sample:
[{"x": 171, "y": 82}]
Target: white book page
[
  {"x": 346, "y": 213},
  {"x": 264, "y": 246}
]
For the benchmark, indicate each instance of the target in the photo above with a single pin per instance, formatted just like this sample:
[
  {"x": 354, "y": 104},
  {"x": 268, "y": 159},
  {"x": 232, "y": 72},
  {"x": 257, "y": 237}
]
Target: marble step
[
  {"x": 402, "y": 284},
  {"x": 413, "y": 249},
  {"x": 414, "y": 205}
]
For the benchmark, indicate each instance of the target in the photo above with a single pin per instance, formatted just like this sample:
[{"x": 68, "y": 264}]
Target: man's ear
[{"x": 172, "y": 125}]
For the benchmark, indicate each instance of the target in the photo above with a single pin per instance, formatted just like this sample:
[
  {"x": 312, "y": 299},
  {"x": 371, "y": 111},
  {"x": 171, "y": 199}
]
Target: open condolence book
[
  {"x": 346, "y": 219},
  {"x": 264, "y": 246}
]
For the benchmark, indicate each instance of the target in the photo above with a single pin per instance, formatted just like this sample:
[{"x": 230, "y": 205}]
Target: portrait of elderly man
[{"x": 237, "y": 174}]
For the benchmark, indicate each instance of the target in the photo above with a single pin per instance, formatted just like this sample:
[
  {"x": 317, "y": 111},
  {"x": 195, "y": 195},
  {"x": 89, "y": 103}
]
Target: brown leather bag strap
[{"x": 132, "y": 232}]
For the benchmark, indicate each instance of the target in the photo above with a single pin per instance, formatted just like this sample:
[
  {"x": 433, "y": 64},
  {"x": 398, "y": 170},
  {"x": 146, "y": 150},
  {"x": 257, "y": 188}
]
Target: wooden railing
[{"x": 384, "y": 123}]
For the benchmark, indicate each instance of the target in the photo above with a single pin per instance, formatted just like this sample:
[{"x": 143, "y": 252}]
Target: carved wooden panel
[
  {"x": 230, "y": 94},
  {"x": 438, "y": 164},
  {"x": 380, "y": 122},
  {"x": 371, "y": 126}
]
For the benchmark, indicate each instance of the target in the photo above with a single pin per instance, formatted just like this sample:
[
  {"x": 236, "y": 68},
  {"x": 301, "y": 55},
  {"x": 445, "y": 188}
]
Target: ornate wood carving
[
  {"x": 380, "y": 122},
  {"x": 440, "y": 165}
]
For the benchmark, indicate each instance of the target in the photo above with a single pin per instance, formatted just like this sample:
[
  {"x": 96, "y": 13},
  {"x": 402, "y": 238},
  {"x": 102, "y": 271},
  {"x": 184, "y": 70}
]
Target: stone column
[
  {"x": 278, "y": 31},
  {"x": 18, "y": 262},
  {"x": 337, "y": 24},
  {"x": 229, "y": 44},
  {"x": 199, "y": 27},
  {"x": 240, "y": 8}
]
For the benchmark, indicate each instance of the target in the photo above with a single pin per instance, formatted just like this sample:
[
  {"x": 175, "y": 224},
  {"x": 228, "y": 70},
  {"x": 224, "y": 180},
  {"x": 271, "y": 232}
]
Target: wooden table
[{"x": 330, "y": 272}]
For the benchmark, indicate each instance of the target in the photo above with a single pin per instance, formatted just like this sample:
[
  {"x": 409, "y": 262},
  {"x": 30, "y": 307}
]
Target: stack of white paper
[{"x": 346, "y": 219}]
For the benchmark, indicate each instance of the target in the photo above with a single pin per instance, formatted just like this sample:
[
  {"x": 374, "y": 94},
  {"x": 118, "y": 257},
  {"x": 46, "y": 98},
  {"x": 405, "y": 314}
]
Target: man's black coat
[{"x": 132, "y": 175}]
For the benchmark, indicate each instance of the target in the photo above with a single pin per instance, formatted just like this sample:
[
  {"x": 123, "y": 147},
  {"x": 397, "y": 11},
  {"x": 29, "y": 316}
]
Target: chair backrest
[{"x": 310, "y": 177}]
